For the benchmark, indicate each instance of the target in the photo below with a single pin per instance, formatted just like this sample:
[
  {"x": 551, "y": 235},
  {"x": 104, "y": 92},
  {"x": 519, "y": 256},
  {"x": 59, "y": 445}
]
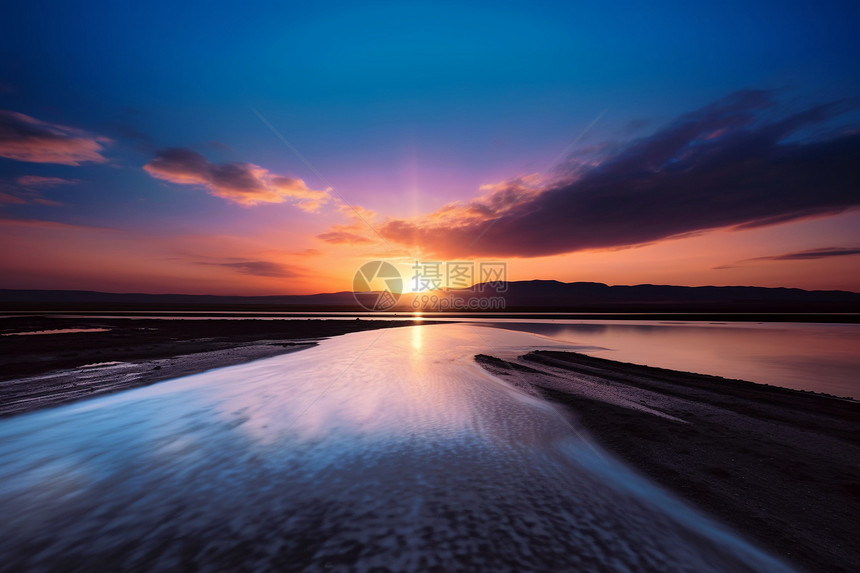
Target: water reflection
[
  {"x": 417, "y": 338},
  {"x": 817, "y": 357},
  {"x": 381, "y": 448}
]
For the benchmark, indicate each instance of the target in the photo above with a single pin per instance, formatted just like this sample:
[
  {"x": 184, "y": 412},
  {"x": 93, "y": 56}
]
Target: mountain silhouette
[{"x": 534, "y": 295}]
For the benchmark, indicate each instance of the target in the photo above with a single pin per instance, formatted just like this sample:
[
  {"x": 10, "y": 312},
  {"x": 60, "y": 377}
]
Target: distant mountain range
[
  {"x": 587, "y": 296},
  {"x": 536, "y": 295}
]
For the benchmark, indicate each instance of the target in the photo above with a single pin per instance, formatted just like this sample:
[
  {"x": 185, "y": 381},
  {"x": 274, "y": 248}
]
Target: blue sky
[{"x": 403, "y": 107}]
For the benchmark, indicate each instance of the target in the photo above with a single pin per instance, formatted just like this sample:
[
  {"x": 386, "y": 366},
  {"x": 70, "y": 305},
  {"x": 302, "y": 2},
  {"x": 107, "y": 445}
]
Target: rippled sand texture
[{"x": 387, "y": 448}]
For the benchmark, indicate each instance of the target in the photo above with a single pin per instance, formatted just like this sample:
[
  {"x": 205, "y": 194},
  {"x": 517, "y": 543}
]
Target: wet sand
[
  {"x": 389, "y": 450},
  {"x": 781, "y": 466},
  {"x": 42, "y": 370}
]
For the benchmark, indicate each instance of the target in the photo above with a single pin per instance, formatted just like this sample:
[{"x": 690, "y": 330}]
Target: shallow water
[
  {"x": 380, "y": 448},
  {"x": 803, "y": 356},
  {"x": 820, "y": 357}
]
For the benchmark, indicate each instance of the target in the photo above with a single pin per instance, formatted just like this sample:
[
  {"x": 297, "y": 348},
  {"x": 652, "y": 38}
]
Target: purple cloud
[
  {"x": 822, "y": 253},
  {"x": 722, "y": 166},
  {"x": 258, "y": 268},
  {"x": 26, "y": 138}
]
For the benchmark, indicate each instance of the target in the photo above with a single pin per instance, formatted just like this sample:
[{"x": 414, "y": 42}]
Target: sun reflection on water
[{"x": 417, "y": 339}]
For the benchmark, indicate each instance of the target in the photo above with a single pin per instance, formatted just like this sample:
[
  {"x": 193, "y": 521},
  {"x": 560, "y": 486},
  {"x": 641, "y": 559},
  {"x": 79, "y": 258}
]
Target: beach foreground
[
  {"x": 95, "y": 356},
  {"x": 372, "y": 451},
  {"x": 782, "y": 466}
]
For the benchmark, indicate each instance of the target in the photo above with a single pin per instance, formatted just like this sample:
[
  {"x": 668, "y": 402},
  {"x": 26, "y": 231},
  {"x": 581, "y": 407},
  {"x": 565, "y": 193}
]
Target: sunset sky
[{"x": 245, "y": 148}]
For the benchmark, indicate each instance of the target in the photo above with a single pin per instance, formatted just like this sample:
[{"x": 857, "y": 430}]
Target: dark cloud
[
  {"x": 26, "y": 138},
  {"x": 243, "y": 183},
  {"x": 722, "y": 166},
  {"x": 258, "y": 268},
  {"x": 822, "y": 253}
]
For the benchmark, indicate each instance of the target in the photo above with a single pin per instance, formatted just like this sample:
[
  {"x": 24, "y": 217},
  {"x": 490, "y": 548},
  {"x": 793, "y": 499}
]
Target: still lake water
[
  {"x": 803, "y": 356},
  {"x": 381, "y": 448}
]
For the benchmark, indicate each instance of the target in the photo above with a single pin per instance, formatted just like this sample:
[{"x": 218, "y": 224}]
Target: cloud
[
  {"x": 22, "y": 198},
  {"x": 12, "y": 199},
  {"x": 26, "y": 190},
  {"x": 258, "y": 268},
  {"x": 243, "y": 183},
  {"x": 341, "y": 237},
  {"x": 39, "y": 181},
  {"x": 41, "y": 224},
  {"x": 25, "y": 138},
  {"x": 822, "y": 253},
  {"x": 359, "y": 214},
  {"x": 737, "y": 163},
  {"x": 361, "y": 231}
]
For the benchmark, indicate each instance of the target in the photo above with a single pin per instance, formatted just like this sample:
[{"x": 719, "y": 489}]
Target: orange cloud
[
  {"x": 361, "y": 231},
  {"x": 49, "y": 254},
  {"x": 26, "y": 138},
  {"x": 338, "y": 236},
  {"x": 243, "y": 183},
  {"x": 455, "y": 225},
  {"x": 457, "y": 217},
  {"x": 356, "y": 212}
]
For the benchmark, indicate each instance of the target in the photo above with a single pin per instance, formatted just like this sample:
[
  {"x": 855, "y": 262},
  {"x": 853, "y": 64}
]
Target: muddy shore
[
  {"x": 42, "y": 370},
  {"x": 779, "y": 465}
]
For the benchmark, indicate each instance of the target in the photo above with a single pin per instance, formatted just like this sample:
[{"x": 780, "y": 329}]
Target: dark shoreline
[
  {"x": 40, "y": 371},
  {"x": 782, "y": 466},
  {"x": 530, "y": 313}
]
